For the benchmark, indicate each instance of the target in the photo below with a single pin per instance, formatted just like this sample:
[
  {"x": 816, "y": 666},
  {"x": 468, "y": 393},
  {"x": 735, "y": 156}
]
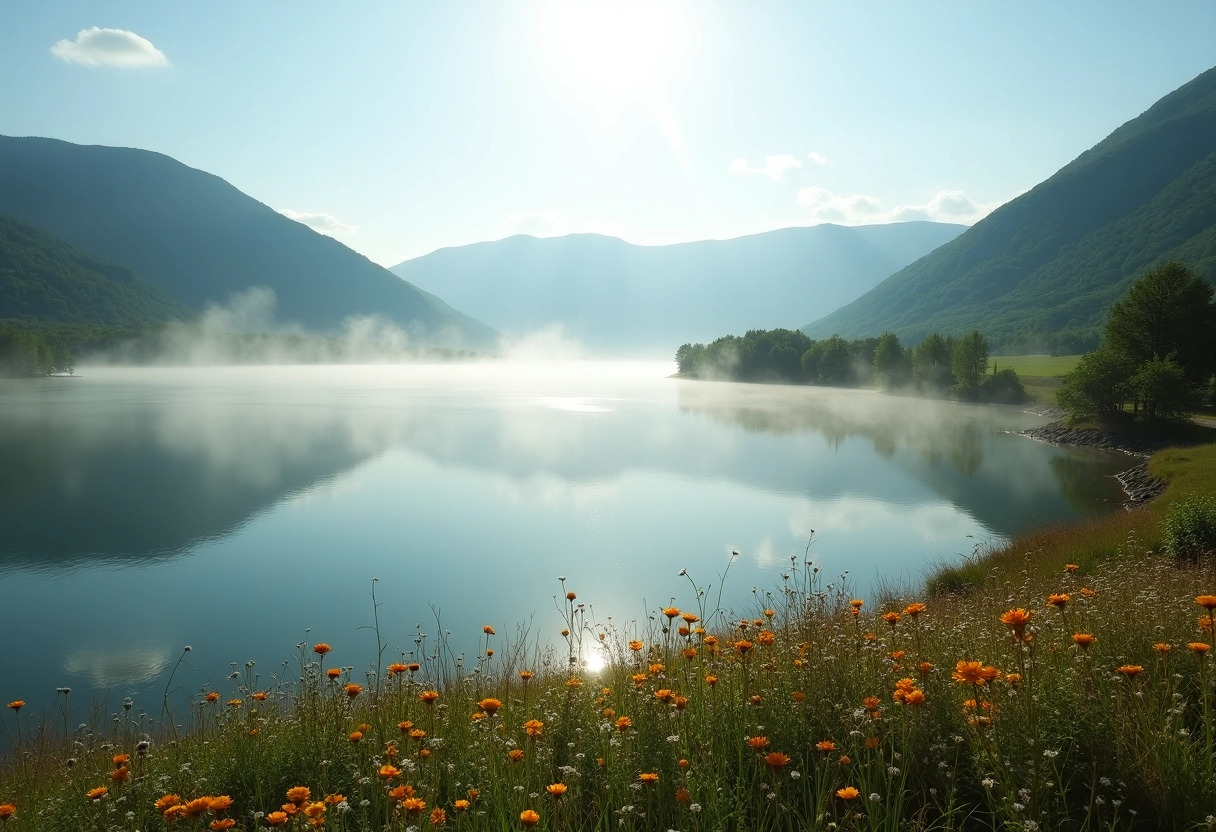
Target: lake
[{"x": 245, "y": 511}]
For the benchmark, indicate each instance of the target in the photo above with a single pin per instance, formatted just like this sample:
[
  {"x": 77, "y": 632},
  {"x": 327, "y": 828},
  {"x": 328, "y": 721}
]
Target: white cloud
[
  {"x": 323, "y": 223},
  {"x": 819, "y": 159},
  {"x": 109, "y": 47},
  {"x": 557, "y": 224},
  {"x": 857, "y": 209},
  {"x": 774, "y": 167}
]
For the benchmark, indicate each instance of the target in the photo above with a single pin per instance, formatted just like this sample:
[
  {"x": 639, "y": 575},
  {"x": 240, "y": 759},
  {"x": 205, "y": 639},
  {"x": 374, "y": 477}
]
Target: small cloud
[
  {"x": 819, "y": 159},
  {"x": 774, "y": 167},
  {"x": 856, "y": 209},
  {"x": 322, "y": 223},
  {"x": 109, "y": 47}
]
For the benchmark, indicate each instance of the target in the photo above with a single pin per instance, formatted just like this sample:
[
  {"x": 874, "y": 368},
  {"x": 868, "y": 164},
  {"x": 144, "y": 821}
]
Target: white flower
[
  {"x": 694, "y": 807},
  {"x": 987, "y": 782},
  {"x": 1051, "y": 755},
  {"x": 875, "y": 797}
]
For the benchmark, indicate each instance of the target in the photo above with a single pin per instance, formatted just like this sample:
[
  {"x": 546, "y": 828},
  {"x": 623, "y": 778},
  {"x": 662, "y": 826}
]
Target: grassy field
[{"x": 1041, "y": 375}]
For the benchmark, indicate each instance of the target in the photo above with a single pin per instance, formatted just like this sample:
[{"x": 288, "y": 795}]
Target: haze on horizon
[{"x": 400, "y": 129}]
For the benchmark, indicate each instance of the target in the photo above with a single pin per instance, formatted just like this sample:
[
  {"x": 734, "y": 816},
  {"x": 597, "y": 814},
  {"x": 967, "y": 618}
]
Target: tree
[
  {"x": 969, "y": 361},
  {"x": 1161, "y": 386},
  {"x": 1168, "y": 312},
  {"x": 931, "y": 362},
  {"x": 892, "y": 365},
  {"x": 1098, "y": 385}
]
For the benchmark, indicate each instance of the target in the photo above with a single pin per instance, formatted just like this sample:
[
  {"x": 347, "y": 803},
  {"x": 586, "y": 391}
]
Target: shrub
[{"x": 1189, "y": 529}]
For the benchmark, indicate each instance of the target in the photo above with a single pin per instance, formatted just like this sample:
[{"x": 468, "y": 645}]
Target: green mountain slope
[
  {"x": 616, "y": 297},
  {"x": 1056, "y": 258},
  {"x": 200, "y": 240},
  {"x": 48, "y": 281}
]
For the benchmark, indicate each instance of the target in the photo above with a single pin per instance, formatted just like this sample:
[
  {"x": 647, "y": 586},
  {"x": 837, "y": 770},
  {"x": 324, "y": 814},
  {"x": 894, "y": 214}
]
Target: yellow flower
[
  {"x": 534, "y": 728},
  {"x": 556, "y": 789},
  {"x": 438, "y": 817},
  {"x": 529, "y": 817},
  {"x": 461, "y": 805},
  {"x": 413, "y": 805},
  {"x": 315, "y": 810},
  {"x": 635, "y": 645},
  {"x": 276, "y": 818},
  {"x": 388, "y": 772}
]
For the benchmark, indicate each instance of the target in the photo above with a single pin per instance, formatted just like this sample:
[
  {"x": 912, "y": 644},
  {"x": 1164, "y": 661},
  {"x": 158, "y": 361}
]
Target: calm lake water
[{"x": 243, "y": 511}]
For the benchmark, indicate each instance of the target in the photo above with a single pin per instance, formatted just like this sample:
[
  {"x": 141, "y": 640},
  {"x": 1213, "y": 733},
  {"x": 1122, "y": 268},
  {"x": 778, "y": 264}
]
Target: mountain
[
  {"x": 1056, "y": 258},
  {"x": 617, "y": 297},
  {"x": 199, "y": 240},
  {"x": 46, "y": 280}
]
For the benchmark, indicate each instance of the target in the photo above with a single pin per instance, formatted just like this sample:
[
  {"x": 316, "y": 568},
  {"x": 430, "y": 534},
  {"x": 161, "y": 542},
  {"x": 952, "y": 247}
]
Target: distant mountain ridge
[
  {"x": 198, "y": 239},
  {"x": 1057, "y": 257},
  {"x": 48, "y": 281},
  {"x": 615, "y": 296}
]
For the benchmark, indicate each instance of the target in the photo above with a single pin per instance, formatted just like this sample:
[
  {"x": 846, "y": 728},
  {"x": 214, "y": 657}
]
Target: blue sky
[{"x": 403, "y": 127}]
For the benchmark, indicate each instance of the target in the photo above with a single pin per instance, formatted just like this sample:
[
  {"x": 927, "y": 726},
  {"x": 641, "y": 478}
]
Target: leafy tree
[
  {"x": 1168, "y": 312},
  {"x": 1162, "y": 388},
  {"x": 834, "y": 361},
  {"x": 1098, "y": 385},
  {"x": 969, "y": 362},
  {"x": 931, "y": 362},
  {"x": 892, "y": 364}
]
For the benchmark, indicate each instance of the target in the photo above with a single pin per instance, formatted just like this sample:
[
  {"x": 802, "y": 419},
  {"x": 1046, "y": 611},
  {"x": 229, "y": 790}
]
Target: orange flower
[
  {"x": 412, "y": 667},
  {"x": 1016, "y": 620},
  {"x": 671, "y": 612},
  {"x": 743, "y": 646},
  {"x": 1071, "y": 567},
  {"x": 570, "y": 596},
  {"x": 212, "y": 697},
  {"x": 693, "y": 618},
  {"x": 826, "y": 746},
  {"x": 914, "y": 697},
  {"x": 556, "y": 789},
  {"x": 871, "y": 703},
  {"x": 220, "y": 824},
  {"x": 974, "y": 673},
  {"x": 413, "y": 805},
  {"x": 7, "y": 810},
  {"x": 1083, "y": 640},
  {"x": 683, "y": 795},
  {"x": 334, "y": 672},
  {"x": 914, "y": 609},
  {"x": 925, "y": 668},
  {"x": 438, "y": 817},
  {"x": 844, "y": 760},
  {"x": 299, "y": 794},
  {"x": 689, "y": 653},
  {"x": 489, "y": 705},
  {"x": 163, "y": 803},
  {"x": 395, "y": 668},
  {"x": 664, "y": 695},
  {"x": 1059, "y": 600},
  {"x": 624, "y": 723},
  {"x": 891, "y": 618},
  {"x": 766, "y": 638},
  {"x": 534, "y": 727},
  {"x": 1161, "y": 647},
  {"x": 1208, "y": 602},
  {"x": 276, "y": 818},
  {"x": 1087, "y": 592},
  {"x": 429, "y": 696},
  {"x": 574, "y": 682},
  {"x": 656, "y": 668},
  {"x": 321, "y": 649},
  {"x": 120, "y": 774},
  {"x": 121, "y": 759},
  {"x": 776, "y": 760},
  {"x": 461, "y": 805},
  {"x": 872, "y": 743},
  {"x": 388, "y": 772},
  {"x": 525, "y": 674},
  {"x": 648, "y": 777},
  {"x": 756, "y": 743},
  {"x": 352, "y": 689},
  {"x": 259, "y": 696},
  {"x": 528, "y": 817},
  {"x": 97, "y": 793},
  {"x": 488, "y": 630},
  {"x": 515, "y": 755},
  {"x": 334, "y": 799},
  {"x": 848, "y": 793},
  {"x": 798, "y": 696},
  {"x": 235, "y": 703},
  {"x": 416, "y": 734},
  {"x": 404, "y": 726},
  {"x": 17, "y": 704},
  {"x": 1131, "y": 671},
  {"x": 1199, "y": 647},
  {"x": 711, "y": 680},
  {"x": 635, "y": 645},
  {"x": 856, "y": 603},
  {"x": 219, "y": 803}
]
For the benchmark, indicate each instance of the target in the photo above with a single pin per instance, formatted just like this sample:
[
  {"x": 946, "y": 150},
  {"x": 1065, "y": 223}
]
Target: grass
[
  {"x": 1067, "y": 686},
  {"x": 1041, "y": 375}
]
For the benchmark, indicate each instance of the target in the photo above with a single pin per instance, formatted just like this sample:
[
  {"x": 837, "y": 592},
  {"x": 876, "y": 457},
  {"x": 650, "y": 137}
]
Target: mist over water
[{"x": 244, "y": 510}]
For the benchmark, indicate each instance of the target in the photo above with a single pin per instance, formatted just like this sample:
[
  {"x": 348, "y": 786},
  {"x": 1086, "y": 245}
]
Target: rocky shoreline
[{"x": 1137, "y": 483}]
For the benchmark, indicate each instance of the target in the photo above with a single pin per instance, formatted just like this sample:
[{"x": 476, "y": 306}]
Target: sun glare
[{"x": 614, "y": 55}]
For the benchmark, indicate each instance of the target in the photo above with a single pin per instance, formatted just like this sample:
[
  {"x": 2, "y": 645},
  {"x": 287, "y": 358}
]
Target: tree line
[
  {"x": 938, "y": 365},
  {"x": 1157, "y": 358},
  {"x": 26, "y": 353}
]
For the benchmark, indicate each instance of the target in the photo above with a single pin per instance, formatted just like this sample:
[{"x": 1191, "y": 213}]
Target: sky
[{"x": 401, "y": 127}]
